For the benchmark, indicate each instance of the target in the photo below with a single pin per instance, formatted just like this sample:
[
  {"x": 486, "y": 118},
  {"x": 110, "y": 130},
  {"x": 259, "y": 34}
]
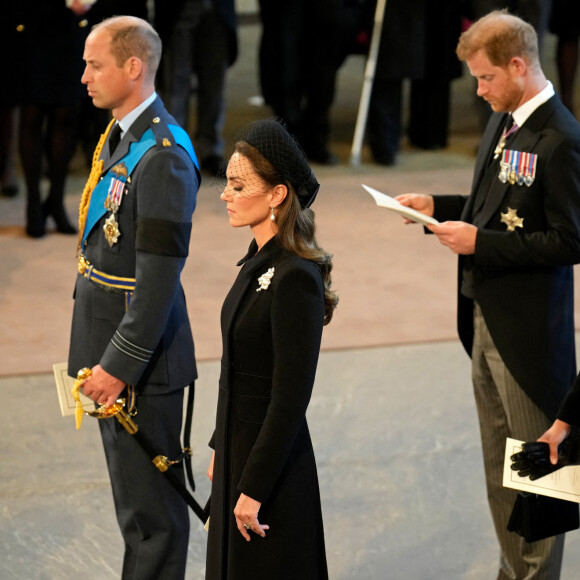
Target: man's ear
[
  {"x": 518, "y": 66},
  {"x": 134, "y": 67}
]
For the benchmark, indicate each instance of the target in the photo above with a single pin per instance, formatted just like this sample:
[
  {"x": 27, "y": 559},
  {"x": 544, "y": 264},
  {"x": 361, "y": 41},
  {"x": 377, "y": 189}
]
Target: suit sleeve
[
  {"x": 166, "y": 189},
  {"x": 570, "y": 410},
  {"x": 448, "y": 207},
  {"x": 297, "y": 319},
  {"x": 551, "y": 233}
]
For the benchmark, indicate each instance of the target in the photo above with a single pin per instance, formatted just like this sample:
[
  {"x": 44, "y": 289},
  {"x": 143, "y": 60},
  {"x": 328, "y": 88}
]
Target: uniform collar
[{"x": 126, "y": 122}]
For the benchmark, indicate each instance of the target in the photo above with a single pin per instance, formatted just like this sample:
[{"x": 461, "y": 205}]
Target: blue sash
[{"x": 136, "y": 150}]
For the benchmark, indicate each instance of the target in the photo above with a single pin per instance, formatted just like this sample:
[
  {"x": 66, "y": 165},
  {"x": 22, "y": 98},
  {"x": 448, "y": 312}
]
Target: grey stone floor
[
  {"x": 398, "y": 452},
  {"x": 394, "y": 429}
]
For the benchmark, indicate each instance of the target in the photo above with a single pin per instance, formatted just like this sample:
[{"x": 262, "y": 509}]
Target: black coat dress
[{"x": 271, "y": 342}]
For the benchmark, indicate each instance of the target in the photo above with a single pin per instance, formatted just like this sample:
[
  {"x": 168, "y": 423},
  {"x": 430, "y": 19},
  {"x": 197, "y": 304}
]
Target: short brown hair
[
  {"x": 132, "y": 36},
  {"x": 502, "y": 36}
]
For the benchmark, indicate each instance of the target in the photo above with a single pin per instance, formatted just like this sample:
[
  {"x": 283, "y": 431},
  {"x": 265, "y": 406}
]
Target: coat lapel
[
  {"x": 135, "y": 132},
  {"x": 487, "y": 145},
  {"x": 526, "y": 138},
  {"x": 246, "y": 278}
]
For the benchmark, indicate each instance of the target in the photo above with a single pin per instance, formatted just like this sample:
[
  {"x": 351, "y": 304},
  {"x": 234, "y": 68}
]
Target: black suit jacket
[{"x": 523, "y": 280}]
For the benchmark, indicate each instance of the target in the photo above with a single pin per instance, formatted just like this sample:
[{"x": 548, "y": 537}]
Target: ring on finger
[{"x": 248, "y": 526}]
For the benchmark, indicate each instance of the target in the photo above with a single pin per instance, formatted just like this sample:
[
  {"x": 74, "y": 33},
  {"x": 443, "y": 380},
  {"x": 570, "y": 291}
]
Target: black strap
[
  {"x": 185, "y": 457},
  {"x": 187, "y": 435},
  {"x": 173, "y": 479}
]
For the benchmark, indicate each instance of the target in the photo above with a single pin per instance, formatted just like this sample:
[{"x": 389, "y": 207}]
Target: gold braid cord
[{"x": 96, "y": 170}]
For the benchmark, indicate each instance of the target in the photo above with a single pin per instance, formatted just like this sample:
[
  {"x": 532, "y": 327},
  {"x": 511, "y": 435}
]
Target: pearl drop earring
[{"x": 272, "y": 216}]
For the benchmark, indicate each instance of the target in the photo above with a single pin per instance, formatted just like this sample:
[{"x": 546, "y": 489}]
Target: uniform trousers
[
  {"x": 153, "y": 518},
  {"x": 504, "y": 410}
]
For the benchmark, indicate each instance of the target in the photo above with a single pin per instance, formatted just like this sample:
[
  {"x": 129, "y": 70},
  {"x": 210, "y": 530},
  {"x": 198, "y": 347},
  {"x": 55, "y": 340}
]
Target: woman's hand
[
  {"x": 554, "y": 436},
  {"x": 246, "y": 513},
  {"x": 210, "y": 468}
]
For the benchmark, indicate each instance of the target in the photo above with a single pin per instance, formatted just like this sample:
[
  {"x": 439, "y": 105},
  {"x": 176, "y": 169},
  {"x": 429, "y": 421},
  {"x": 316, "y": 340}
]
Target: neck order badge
[{"x": 505, "y": 134}]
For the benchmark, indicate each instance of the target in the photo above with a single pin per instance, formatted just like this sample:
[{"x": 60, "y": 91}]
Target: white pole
[{"x": 369, "y": 77}]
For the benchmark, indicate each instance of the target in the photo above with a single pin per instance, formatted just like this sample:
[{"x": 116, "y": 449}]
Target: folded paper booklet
[
  {"x": 563, "y": 483},
  {"x": 391, "y": 203},
  {"x": 64, "y": 385}
]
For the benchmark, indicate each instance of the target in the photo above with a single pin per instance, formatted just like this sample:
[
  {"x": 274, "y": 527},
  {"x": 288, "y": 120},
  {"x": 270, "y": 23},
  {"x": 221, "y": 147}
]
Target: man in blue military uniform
[{"x": 130, "y": 322}]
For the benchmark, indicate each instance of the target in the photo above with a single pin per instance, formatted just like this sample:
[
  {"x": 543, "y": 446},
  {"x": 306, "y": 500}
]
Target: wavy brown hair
[{"x": 296, "y": 225}]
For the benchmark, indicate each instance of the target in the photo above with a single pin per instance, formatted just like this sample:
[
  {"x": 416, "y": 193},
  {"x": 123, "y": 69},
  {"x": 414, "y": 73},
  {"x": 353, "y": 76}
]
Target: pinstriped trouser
[{"x": 504, "y": 410}]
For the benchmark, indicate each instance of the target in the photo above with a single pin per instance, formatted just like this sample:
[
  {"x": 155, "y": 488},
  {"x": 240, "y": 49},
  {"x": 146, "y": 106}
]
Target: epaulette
[
  {"x": 171, "y": 135},
  {"x": 162, "y": 133}
]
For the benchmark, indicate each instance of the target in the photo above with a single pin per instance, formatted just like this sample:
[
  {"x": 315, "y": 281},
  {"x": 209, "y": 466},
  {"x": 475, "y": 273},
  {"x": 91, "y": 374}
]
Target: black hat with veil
[{"x": 271, "y": 138}]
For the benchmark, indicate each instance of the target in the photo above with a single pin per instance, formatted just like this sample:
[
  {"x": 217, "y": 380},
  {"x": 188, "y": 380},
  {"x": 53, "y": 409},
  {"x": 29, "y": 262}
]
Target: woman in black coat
[{"x": 265, "y": 514}]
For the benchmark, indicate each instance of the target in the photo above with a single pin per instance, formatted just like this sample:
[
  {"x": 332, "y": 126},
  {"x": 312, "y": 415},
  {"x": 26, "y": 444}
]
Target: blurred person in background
[{"x": 42, "y": 71}]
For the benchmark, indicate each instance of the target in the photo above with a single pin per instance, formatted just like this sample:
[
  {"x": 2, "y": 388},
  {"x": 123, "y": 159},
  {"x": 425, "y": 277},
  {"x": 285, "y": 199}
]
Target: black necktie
[{"x": 114, "y": 138}]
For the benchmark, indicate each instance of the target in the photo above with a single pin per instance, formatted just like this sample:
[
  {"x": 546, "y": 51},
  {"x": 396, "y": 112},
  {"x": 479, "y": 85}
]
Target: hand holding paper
[
  {"x": 391, "y": 203},
  {"x": 563, "y": 483}
]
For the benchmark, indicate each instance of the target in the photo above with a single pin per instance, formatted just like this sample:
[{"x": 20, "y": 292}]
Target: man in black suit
[
  {"x": 517, "y": 237},
  {"x": 130, "y": 323}
]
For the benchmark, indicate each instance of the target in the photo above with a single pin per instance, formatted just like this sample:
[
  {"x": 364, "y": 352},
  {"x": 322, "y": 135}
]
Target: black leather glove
[{"x": 533, "y": 460}]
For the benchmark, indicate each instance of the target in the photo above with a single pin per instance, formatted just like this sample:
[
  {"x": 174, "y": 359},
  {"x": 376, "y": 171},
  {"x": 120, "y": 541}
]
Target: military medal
[
  {"x": 504, "y": 169},
  {"x": 518, "y": 167},
  {"x": 114, "y": 195},
  {"x": 113, "y": 202},
  {"x": 511, "y": 220},
  {"x": 530, "y": 167},
  {"x": 517, "y": 170}
]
